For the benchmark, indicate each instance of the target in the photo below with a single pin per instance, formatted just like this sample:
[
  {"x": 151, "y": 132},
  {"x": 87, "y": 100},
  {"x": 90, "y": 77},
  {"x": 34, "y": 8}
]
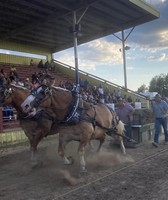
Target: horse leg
[
  {"x": 102, "y": 139},
  {"x": 61, "y": 150},
  {"x": 122, "y": 146},
  {"x": 81, "y": 151},
  {"x": 91, "y": 146},
  {"x": 34, "y": 141}
]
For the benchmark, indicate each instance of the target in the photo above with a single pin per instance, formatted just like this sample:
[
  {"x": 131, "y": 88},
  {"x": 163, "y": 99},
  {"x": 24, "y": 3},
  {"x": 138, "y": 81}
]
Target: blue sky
[{"x": 147, "y": 57}]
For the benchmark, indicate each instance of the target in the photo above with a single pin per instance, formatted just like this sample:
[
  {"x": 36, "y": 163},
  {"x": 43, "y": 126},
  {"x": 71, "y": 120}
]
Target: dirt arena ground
[{"x": 140, "y": 175}]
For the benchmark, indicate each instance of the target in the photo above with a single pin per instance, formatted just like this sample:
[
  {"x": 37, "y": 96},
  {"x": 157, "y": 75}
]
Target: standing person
[
  {"x": 46, "y": 66},
  {"x": 125, "y": 113},
  {"x": 160, "y": 109},
  {"x": 3, "y": 77},
  {"x": 32, "y": 64},
  {"x": 40, "y": 64}
]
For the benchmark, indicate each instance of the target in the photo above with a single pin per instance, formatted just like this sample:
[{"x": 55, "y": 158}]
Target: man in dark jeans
[{"x": 160, "y": 109}]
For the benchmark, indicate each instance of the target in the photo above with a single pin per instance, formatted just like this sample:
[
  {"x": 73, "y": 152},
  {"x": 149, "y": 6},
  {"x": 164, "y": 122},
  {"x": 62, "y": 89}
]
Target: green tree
[
  {"x": 159, "y": 84},
  {"x": 142, "y": 88}
]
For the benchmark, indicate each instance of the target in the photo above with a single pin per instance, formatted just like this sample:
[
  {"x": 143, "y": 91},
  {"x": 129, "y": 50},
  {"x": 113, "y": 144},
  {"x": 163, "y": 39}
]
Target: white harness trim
[{"x": 26, "y": 107}]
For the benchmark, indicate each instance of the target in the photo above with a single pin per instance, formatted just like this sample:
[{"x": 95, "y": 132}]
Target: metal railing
[{"x": 70, "y": 71}]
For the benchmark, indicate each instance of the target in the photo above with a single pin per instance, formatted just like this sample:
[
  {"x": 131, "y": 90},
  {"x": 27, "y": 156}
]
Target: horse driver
[{"x": 125, "y": 113}]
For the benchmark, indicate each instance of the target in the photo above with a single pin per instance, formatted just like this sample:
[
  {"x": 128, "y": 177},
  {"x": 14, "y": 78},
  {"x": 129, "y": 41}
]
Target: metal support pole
[
  {"x": 124, "y": 60},
  {"x": 75, "y": 48}
]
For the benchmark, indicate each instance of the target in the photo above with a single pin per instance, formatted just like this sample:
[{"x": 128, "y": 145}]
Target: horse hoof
[
  {"x": 68, "y": 160},
  {"x": 83, "y": 171}
]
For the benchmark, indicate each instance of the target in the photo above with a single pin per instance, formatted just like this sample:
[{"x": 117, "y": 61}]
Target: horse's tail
[{"x": 120, "y": 128}]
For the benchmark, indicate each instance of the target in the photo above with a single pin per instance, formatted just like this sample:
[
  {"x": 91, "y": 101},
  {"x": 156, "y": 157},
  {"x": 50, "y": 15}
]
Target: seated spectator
[
  {"x": 81, "y": 83},
  {"x": 28, "y": 84},
  {"x": 68, "y": 85},
  {"x": 40, "y": 65},
  {"x": 95, "y": 93},
  {"x": 86, "y": 84},
  {"x": 13, "y": 72},
  {"x": 107, "y": 94},
  {"x": 90, "y": 97},
  {"x": 35, "y": 84},
  {"x": 12, "y": 80},
  {"x": 20, "y": 82},
  {"x": 84, "y": 96},
  {"x": 34, "y": 77},
  {"x": 62, "y": 84},
  {"x": 129, "y": 100},
  {"x": 117, "y": 94},
  {"x": 101, "y": 93}
]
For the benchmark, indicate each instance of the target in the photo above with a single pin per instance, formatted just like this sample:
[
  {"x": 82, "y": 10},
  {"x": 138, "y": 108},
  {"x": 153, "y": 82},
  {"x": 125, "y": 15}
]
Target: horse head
[
  {"x": 5, "y": 92},
  {"x": 13, "y": 95}
]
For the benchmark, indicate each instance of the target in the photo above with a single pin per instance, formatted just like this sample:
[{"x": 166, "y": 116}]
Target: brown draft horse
[
  {"x": 93, "y": 123},
  {"x": 36, "y": 128}
]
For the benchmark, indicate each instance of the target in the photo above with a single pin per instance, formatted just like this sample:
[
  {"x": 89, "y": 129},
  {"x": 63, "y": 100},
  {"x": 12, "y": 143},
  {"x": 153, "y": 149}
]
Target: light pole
[
  {"x": 124, "y": 60},
  {"x": 124, "y": 48}
]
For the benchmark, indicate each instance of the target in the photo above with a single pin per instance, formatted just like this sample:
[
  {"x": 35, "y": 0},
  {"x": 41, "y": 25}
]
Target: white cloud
[
  {"x": 163, "y": 37},
  {"x": 104, "y": 52},
  {"x": 98, "y": 52},
  {"x": 158, "y": 58}
]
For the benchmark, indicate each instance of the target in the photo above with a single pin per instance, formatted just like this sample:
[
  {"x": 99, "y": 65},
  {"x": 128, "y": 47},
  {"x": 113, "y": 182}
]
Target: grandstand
[
  {"x": 63, "y": 72},
  {"x": 48, "y": 31}
]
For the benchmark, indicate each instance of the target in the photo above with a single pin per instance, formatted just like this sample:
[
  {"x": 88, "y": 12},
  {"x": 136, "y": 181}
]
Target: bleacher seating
[{"x": 25, "y": 71}]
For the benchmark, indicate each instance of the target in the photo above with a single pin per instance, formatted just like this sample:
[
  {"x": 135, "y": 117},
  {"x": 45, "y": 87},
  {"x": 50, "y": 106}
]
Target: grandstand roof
[{"x": 47, "y": 23}]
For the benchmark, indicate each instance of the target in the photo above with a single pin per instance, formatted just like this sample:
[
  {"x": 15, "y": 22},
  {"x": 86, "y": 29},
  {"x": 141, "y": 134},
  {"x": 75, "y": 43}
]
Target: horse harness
[{"x": 76, "y": 113}]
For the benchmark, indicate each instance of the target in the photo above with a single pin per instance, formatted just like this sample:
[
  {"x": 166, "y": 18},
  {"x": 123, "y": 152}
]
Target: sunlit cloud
[
  {"x": 104, "y": 52},
  {"x": 158, "y": 58},
  {"x": 163, "y": 37},
  {"x": 98, "y": 52}
]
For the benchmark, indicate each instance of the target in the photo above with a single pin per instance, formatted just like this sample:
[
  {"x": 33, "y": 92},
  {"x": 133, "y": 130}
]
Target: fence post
[{"x": 1, "y": 119}]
